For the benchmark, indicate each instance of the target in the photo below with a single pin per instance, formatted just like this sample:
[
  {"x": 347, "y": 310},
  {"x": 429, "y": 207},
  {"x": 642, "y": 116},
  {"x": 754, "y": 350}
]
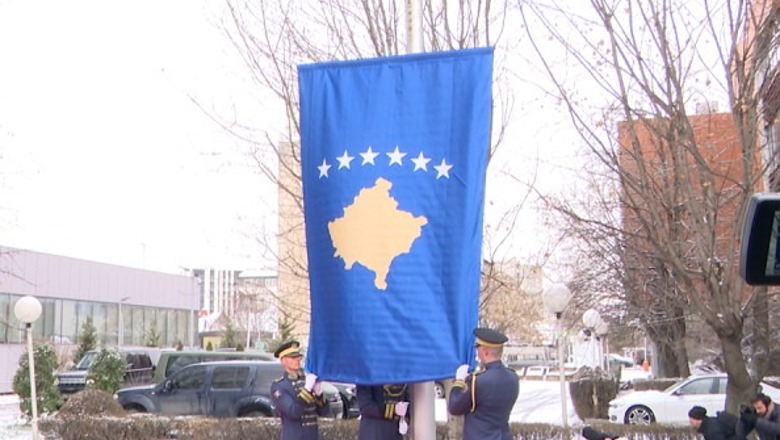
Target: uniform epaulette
[{"x": 279, "y": 380}]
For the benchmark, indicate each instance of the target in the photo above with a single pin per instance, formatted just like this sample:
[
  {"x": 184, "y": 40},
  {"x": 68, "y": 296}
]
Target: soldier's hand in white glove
[
  {"x": 403, "y": 427},
  {"x": 317, "y": 388},
  {"x": 311, "y": 378},
  {"x": 462, "y": 372},
  {"x": 401, "y": 408}
]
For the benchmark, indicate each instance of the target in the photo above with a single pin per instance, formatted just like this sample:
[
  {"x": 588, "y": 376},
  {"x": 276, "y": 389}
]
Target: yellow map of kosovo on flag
[{"x": 373, "y": 231}]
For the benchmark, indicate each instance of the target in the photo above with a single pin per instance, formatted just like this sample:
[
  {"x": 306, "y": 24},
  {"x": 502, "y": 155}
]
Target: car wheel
[
  {"x": 639, "y": 415},
  {"x": 254, "y": 413},
  {"x": 438, "y": 390},
  {"x": 134, "y": 409}
]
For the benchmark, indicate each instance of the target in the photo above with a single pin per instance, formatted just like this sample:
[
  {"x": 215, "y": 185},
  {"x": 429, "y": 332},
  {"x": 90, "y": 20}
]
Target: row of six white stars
[{"x": 396, "y": 157}]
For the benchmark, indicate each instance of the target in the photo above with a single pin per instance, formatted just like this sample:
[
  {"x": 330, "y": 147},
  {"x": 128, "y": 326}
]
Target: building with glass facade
[{"x": 126, "y": 304}]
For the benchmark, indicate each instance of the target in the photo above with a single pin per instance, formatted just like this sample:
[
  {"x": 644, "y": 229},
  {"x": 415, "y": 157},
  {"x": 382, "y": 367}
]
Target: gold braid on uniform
[
  {"x": 394, "y": 391},
  {"x": 474, "y": 389}
]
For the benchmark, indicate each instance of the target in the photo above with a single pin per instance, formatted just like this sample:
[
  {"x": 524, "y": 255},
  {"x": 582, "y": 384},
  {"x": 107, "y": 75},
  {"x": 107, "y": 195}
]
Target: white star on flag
[
  {"x": 421, "y": 162},
  {"x": 344, "y": 160},
  {"x": 369, "y": 156},
  {"x": 443, "y": 170},
  {"x": 396, "y": 156},
  {"x": 323, "y": 169}
]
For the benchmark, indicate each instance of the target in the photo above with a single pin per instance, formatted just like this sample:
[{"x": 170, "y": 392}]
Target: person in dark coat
[
  {"x": 297, "y": 396},
  {"x": 763, "y": 416},
  {"x": 383, "y": 411},
  {"x": 721, "y": 427},
  {"x": 485, "y": 397},
  {"x": 592, "y": 434}
]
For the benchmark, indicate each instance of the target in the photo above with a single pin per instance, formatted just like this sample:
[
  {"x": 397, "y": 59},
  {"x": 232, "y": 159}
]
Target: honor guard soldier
[
  {"x": 383, "y": 411},
  {"x": 485, "y": 397},
  {"x": 297, "y": 396}
]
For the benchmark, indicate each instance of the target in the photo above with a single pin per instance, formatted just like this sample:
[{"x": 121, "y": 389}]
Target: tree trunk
[
  {"x": 741, "y": 386},
  {"x": 668, "y": 333},
  {"x": 760, "y": 329}
]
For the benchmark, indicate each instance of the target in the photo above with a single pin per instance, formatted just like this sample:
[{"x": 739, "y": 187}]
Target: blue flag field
[{"x": 394, "y": 154}]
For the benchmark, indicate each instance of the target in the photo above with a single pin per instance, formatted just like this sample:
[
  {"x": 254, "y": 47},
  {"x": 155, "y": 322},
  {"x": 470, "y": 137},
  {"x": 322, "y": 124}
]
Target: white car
[{"x": 671, "y": 405}]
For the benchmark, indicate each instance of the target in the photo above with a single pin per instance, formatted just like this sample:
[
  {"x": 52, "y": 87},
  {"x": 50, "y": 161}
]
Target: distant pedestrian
[
  {"x": 485, "y": 397},
  {"x": 383, "y": 411},
  {"x": 721, "y": 427},
  {"x": 297, "y": 396}
]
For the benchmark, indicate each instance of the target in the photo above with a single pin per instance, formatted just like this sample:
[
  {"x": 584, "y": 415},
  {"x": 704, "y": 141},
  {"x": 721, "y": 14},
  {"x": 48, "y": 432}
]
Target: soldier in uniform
[
  {"x": 485, "y": 397},
  {"x": 297, "y": 396},
  {"x": 383, "y": 410}
]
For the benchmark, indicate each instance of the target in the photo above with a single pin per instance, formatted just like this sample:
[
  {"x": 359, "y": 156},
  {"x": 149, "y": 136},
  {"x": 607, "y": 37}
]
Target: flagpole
[{"x": 423, "y": 399}]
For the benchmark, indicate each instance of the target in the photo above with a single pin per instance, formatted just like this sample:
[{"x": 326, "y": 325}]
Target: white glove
[
  {"x": 311, "y": 378},
  {"x": 401, "y": 408},
  {"x": 317, "y": 388},
  {"x": 403, "y": 427},
  {"x": 460, "y": 373}
]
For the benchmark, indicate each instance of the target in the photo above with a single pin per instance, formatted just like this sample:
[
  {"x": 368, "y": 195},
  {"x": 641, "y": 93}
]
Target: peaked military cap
[
  {"x": 290, "y": 348},
  {"x": 489, "y": 338}
]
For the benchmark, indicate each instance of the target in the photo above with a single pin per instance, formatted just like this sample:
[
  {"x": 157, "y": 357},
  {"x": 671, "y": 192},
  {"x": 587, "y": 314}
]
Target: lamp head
[
  {"x": 556, "y": 298},
  {"x": 591, "y": 318},
  {"x": 28, "y": 309}
]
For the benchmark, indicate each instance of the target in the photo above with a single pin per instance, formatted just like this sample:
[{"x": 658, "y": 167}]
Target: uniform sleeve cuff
[
  {"x": 306, "y": 396},
  {"x": 389, "y": 411},
  {"x": 459, "y": 384}
]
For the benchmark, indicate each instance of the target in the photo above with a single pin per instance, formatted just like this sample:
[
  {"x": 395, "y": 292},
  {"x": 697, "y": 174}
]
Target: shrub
[
  {"x": 591, "y": 394},
  {"x": 91, "y": 403},
  {"x": 47, "y": 396},
  {"x": 148, "y": 426},
  {"x": 107, "y": 372},
  {"x": 87, "y": 339}
]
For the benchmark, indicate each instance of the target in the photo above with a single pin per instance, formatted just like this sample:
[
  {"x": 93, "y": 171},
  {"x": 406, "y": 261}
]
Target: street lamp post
[
  {"x": 555, "y": 300},
  {"x": 601, "y": 329},
  {"x": 591, "y": 318},
  {"x": 28, "y": 309}
]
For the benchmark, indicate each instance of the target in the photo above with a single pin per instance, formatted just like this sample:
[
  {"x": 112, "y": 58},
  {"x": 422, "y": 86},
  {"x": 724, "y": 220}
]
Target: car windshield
[
  {"x": 86, "y": 361},
  {"x": 673, "y": 386}
]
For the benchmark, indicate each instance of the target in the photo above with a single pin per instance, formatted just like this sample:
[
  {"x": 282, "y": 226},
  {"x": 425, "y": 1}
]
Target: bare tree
[
  {"x": 275, "y": 36},
  {"x": 681, "y": 188}
]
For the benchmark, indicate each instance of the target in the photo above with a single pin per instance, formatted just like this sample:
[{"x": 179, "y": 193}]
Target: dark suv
[
  {"x": 219, "y": 389},
  {"x": 139, "y": 370}
]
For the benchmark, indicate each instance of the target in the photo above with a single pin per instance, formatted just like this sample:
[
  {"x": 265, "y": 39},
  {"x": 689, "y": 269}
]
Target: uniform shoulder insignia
[
  {"x": 280, "y": 379},
  {"x": 478, "y": 372}
]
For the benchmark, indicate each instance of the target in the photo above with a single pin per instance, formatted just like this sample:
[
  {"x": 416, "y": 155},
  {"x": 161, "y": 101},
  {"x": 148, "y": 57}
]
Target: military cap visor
[
  {"x": 489, "y": 338},
  {"x": 292, "y": 348}
]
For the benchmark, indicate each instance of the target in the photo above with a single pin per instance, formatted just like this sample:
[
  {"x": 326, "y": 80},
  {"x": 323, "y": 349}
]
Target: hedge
[{"x": 154, "y": 427}]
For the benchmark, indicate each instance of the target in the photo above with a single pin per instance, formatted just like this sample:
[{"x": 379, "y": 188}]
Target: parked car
[
  {"x": 139, "y": 370},
  {"x": 348, "y": 398},
  {"x": 219, "y": 389},
  {"x": 671, "y": 405},
  {"x": 172, "y": 361},
  {"x": 620, "y": 360}
]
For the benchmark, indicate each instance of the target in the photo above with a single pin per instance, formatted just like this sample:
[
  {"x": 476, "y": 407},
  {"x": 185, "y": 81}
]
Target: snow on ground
[{"x": 538, "y": 402}]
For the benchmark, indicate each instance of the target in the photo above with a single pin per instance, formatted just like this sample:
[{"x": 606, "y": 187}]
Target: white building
[{"x": 125, "y": 304}]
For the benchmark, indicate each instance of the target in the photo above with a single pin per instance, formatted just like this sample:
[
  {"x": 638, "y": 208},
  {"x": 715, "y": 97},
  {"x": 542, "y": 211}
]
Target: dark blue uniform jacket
[
  {"x": 297, "y": 407},
  {"x": 486, "y": 399},
  {"x": 377, "y": 411}
]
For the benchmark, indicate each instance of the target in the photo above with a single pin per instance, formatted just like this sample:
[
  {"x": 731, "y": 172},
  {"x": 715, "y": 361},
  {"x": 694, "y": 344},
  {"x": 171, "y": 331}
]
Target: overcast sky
[{"x": 103, "y": 154}]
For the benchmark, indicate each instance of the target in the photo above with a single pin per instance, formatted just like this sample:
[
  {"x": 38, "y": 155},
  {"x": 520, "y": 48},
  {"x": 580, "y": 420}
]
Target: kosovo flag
[{"x": 394, "y": 153}]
